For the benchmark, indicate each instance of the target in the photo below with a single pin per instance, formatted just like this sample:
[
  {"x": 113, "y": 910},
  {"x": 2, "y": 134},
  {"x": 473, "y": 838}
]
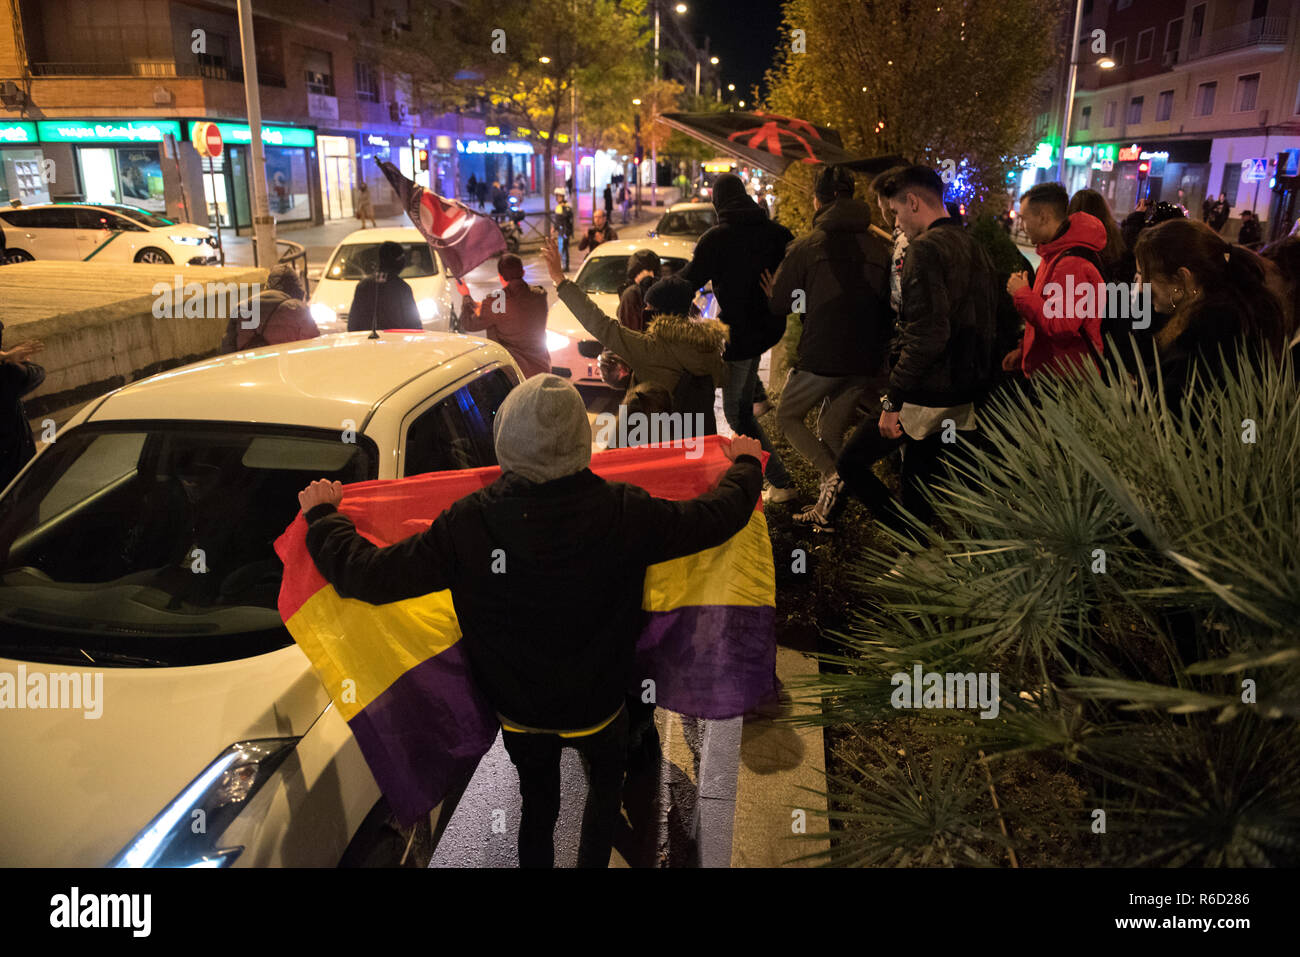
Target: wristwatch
[{"x": 886, "y": 405}]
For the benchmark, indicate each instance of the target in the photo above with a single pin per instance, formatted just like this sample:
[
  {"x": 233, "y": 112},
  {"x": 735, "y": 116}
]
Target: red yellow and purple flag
[
  {"x": 462, "y": 238},
  {"x": 399, "y": 675}
]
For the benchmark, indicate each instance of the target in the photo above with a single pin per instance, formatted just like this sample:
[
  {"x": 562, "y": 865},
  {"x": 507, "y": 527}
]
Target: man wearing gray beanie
[{"x": 546, "y": 568}]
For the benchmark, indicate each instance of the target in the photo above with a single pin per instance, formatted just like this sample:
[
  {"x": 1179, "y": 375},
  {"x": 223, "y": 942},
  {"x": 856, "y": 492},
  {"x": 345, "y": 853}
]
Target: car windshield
[
  {"x": 687, "y": 222},
  {"x": 608, "y": 274},
  {"x": 149, "y": 541},
  {"x": 357, "y": 260},
  {"x": 142, "y": 216}
]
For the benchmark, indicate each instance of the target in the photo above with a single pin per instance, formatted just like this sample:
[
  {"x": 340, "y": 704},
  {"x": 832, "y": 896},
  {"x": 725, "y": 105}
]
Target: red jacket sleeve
[{"x": 1055, "y": 314}]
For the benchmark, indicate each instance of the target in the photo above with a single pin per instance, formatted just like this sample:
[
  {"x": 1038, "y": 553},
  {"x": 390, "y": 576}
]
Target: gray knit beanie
[{"x": 542, "y": 431}]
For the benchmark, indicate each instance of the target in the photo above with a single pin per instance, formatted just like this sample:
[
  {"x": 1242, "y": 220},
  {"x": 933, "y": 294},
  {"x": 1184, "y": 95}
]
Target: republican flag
[
  {"x": 399, "y": 676},
  {"x": 462, "y": 238}
]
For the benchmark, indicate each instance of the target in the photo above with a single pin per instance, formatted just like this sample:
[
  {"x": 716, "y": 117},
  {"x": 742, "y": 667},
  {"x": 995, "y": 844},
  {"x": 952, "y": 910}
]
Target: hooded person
[
  {"x": 279, "y": 313},
  {"x": 733, "y": 255},
  {"x": 385, "y": 294},
  {"x": 515, "y": 317},
  {"x": 642, "y": 272},
  {"x": 1061, "y": 329},
  {"x": 561, "y": 527},
  {"x": 681, "y": 354}
]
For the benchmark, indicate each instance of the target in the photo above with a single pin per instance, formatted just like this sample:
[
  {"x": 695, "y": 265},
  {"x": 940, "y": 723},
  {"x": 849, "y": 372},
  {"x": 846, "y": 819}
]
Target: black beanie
[
  {"x": 642, "y": 260},
  {"x": 392, "y": 257},
  {"x": 671, "y": 296},
  {"x": 834, "y": 181},
  {"x": 510, "y": 267}
]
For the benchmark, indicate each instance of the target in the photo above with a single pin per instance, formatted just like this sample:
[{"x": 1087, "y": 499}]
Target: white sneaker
[{"x": 779, "y": 496}]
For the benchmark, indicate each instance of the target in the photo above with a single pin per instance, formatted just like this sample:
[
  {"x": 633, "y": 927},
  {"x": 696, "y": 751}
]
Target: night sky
[{"x": 743, "y": 35}]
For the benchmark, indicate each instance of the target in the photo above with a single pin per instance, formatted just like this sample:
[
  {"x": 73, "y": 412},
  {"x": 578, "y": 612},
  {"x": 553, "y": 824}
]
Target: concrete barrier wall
[{"x": 99, "y": 326}]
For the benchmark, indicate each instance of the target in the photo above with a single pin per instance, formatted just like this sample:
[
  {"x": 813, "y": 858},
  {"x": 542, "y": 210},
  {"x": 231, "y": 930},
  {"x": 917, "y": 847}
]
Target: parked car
[
  {"x": 691, "y": 220},
  {"x": 358, "y": 255},
  {"x": 103, "y": 233},
  {"x": 139, "y": 546},
  {"x": 603, "y": 273}
]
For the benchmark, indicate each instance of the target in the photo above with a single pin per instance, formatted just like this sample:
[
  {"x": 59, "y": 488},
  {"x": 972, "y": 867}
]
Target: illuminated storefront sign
[
  {"x": 114, "y": 131},
  {"x": 271, "y": 135},
  {"x": 374, "y": 140},
  {"x": 1103, "y": 157},
  {"x": 1078, "y": 154},
  {"x": 516, "y": 147},
  {"x": 17, "y": 132},
  {"x": 1130, "y": 154}
]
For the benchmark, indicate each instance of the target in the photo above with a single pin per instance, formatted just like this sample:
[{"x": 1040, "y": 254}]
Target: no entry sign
[{"x": 207, "y": 139}]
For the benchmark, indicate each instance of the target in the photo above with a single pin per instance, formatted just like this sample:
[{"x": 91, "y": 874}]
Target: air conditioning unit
[{"x": 11, "y": 94}]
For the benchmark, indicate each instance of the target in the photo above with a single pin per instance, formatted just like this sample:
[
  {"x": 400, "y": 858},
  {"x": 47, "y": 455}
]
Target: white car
[
  {"x": 358, "y": 255},
  {"x": 686, "y": 220},
  {"x": 103, "y": 233},
  {"x": 603, "y": 273},
  {"x": 207, "y": 705}
]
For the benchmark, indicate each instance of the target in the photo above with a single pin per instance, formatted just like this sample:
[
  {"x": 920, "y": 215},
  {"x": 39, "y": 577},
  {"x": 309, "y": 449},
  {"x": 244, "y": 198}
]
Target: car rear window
[
  {"x": 687, "y": 222},
  {"x": 358, "y": 260}
]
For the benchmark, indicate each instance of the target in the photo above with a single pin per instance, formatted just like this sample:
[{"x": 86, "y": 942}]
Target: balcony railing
[
  {"x": 1238, "y": 36},
  {"x": 153, "y": 68}
]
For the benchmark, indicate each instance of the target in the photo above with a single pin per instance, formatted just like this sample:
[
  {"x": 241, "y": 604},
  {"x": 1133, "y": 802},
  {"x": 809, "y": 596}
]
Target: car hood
[
  {"x": 561, "y": 320},
  {"x": 77, "y": 789},
  {"x": 184, "y": 229}
]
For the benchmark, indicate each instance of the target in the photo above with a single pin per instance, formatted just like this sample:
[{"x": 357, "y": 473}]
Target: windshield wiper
[{"x": 75, "y": 655}]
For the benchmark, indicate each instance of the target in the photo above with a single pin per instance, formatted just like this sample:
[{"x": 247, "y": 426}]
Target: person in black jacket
[
  {"x": 385, "y": 295},
  {"x": 733, "y": 255},
  {"x": 18, "y": 377},
  {"x": 945, "y": 352},
  {"x": 837, "y": 277},
  {"x": 551, "y": 642}
]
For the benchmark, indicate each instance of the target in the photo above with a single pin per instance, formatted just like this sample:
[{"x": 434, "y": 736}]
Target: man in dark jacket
[
  {"x": 18, "y": 377},
  {"x": 945, "y": 352},
  {"x": 1250, "y": 233},
  {"x": 552, "y": 641},
  {"x": 385, "y": 295},
  {"x": 515, "y": 317},
  {"x": 837, "y": 278},
  {"x": 733, "y": 255},
  {"x": 600, "y": 232}
]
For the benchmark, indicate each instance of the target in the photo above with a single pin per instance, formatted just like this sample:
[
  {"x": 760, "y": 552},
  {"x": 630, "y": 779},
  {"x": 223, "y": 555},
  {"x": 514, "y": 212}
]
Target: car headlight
[
  {"x": 187, "y": 240},
  {"x": 185, "y": 832},
  {"x": 427, "y": 309},
  {"x": 555, "y": 342},
  {"x": 323, "y": 314}
]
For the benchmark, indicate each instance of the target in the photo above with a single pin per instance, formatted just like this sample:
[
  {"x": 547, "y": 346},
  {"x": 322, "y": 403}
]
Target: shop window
[
  {"x": 1247, "y": 92},
  {"x": 1165, "y": 105},
  {"x": 367, "y": 82},
  {"x": 1205, "y": 98},
  {"x": 1135, "y": 110},
  {"x": 318, "y": 69}
]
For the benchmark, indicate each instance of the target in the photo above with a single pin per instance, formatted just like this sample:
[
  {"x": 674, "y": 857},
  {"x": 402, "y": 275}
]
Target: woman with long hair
[
  {"x": 1284, "y": 279},
  {"x": 1116, "y": 260},
  {"x": 1216, "y": 298}
]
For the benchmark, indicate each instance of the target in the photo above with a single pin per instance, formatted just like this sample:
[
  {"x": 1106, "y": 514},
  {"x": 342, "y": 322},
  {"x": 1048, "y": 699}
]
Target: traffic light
[
  {"x": 424, "y": 159},
  {"x": 1143, "y": 168}
]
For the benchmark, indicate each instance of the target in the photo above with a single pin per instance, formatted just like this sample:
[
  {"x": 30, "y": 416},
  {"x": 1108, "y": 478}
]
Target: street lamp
[
  {"x": 654, "y": 147},
  {"x": 1106, "y": 63}
]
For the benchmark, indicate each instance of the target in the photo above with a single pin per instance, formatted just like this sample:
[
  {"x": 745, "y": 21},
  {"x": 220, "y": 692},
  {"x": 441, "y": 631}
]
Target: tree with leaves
[{"x": 950, "y": 79}]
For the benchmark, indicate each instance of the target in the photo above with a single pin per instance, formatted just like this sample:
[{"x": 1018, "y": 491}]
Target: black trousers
[
  {"x": 922, "y": 462},
  {"x": 537, "y": 759}
]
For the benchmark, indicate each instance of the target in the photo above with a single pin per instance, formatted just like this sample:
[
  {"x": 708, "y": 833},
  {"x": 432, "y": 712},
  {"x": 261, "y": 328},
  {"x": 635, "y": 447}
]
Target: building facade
[
  {"x": 100, "y": 97},
  {"x": 1203, "y": 97}
]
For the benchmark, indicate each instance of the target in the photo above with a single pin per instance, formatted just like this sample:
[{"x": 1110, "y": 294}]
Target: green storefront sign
[
  {"x": 106, "y": 131},
  {"x": 17, "y": 133},
  {"x": 1103, "y": 156},
  {"x": 238, "y": 134}
]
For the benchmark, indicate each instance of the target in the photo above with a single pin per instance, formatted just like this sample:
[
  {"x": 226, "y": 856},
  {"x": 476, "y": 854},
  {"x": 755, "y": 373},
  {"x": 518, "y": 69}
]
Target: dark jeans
[
  {"x": 537, "y": 759},
  {"x": 738, "y": 406},
  {"x": 922, "y": 462}
]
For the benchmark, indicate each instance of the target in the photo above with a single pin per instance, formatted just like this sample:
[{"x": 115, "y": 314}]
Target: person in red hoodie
[{"x": 1056, "y": 319}]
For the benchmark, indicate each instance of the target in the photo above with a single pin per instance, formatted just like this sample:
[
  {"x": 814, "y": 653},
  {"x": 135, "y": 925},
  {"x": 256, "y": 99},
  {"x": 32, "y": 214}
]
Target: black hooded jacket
[
  {"x": 732, "y": 255},
  {"x": 843, "y": 270}
]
